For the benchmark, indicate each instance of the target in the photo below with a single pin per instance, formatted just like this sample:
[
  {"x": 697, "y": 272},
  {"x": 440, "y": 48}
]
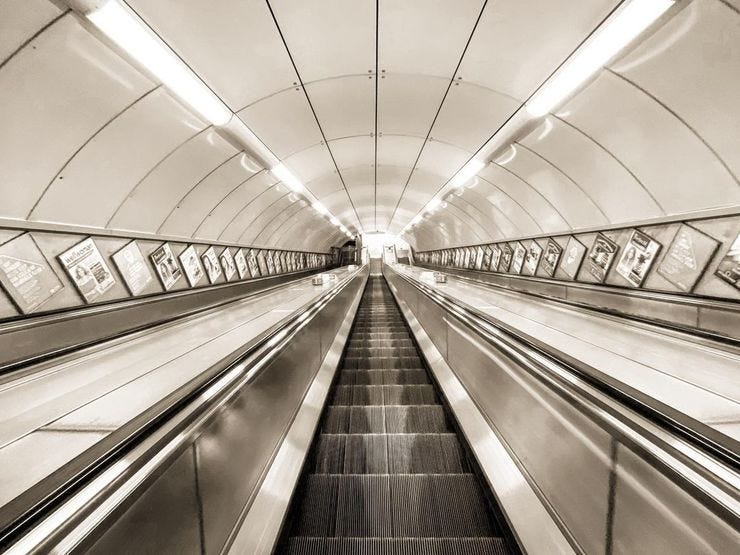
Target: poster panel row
[
  {"x": 30, "y": 281},
  {"x": 685, "y": 260}
]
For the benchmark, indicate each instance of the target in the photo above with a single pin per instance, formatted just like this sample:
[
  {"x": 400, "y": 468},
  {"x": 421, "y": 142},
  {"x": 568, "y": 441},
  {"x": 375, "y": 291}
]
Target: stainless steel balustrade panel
[
  {"x": 232, "y": 452},
  {"x": 575, "y": 463}
]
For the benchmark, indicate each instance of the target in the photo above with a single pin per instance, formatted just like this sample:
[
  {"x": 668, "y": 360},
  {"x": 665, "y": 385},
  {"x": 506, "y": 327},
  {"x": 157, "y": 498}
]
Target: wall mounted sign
[
  {"x": 227, "y": 263},
  {"x": 517, "y": 260},
  {"x": 637, "y": 258},
  {"x": 191, "y": 265},
  {"x": 495, "y": 258},
  {"x": 241, "y": 264},
  {"x": 262, "y": 263},
  {"x": 478, "y": 258},
  {"x": 729, "y": 267},
  {"x": 211, "y": 264},
  {"x": 551, "y": 257},
  {"x": 506, "y": 255},
  {"x": 26, "y": 274},
  {"x": 486, "y": 264},
  {"x": 601, "y": 257},
  {"x": 532, "y": 260},
  {"x": 89, "y": 272},
  {"x": 166, "y": 266},
  {"x": 133, "y": 268},
  {"x": 270, "y": 263},
  {"x": 573, "y": 257}
]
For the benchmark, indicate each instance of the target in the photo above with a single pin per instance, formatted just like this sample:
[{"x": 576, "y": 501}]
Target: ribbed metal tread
[
  {"x": 396, "y": 505},
  {"x": 388, "y": 454},
  {"x": 394, "y": 363},
  {"x": 364, "y": 395},
  {"x": 390, "y": 352},
  {"x": 407, "y": 376},
  {"x": 390, "y": 419},
  {"x": 395, "y": 546}
]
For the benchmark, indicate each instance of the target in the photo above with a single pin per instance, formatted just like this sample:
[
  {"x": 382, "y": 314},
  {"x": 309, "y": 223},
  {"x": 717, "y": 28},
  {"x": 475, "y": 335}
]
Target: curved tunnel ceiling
[{"x": 374, "y": 106}]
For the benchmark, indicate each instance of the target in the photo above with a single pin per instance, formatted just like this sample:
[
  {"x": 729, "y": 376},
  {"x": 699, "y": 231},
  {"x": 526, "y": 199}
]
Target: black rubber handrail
[{"x": 20, "y": 516}]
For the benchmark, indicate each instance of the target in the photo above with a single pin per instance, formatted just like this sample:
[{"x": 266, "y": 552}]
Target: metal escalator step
[
  {"x": 415, "y": 419},
  {"x": 439, "y": 505},
  {"x": 426, "y": 454},
  {"x": 394, "y": 363},
  {"x": 390, "y": 352},
  {"x": 379, "y": 343},
  {"x": 387, "y": 454},
  {"x": 380, "y": 334},
  {"x": 354, "y": 420},
  {"x": 395, "y": 546},
  {"x": 409, "y": 505},
  {"x": 384, "y": 377},
  {"x": 363, "y": 395}
]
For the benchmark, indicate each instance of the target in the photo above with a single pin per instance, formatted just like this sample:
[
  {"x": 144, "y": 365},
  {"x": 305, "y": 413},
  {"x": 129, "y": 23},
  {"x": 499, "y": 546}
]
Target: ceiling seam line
[
  {"x": 84, "y": 144},
  {"x": 553, "y": 72},
  {"x": 194, "y": 187},
  {"x": 377, "y": 82},
  {"x": 495, "y": 207},
  {"x": 33, "y": 37},
  {"x": 272, "y": 233},
  {"x": 285, "y": 214},
  {"x": 244, "y": 207},
  {"x": 512, "y": 199},
  {"x": 223, "y": 199},
  {"x": 439, "y": 110},
  {"x": 264, "y": 211},
  {"x": 313, "y": 111}
]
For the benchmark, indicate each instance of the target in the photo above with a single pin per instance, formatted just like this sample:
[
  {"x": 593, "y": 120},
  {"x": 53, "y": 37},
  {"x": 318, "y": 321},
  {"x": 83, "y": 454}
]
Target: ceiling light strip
[
  {"x": 133, "y": 36},
  {"x": 627, "y": 23}
]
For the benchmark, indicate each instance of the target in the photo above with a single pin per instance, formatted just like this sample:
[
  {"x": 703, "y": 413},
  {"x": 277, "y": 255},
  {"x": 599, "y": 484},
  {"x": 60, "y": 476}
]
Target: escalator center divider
[{"x": 388, "y": 472}]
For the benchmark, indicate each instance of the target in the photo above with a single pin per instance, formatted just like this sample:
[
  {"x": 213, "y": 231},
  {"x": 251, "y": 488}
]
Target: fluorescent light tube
[
  {"x": 131, "y": 34},
  {"x": 432, "y": 204},
  {"x": 334, "y": 221},
  {"x": 285, "y": 175},
  {"x": 320, "y": 208},
  {"x": 467, "y": 172},
  {"x": 608, "y": 40}
]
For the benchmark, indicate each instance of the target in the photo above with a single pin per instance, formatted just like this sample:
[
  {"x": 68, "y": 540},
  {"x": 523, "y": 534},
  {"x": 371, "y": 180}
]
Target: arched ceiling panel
[
  {"x": 232, "y": 44},
  {"x": 471, "y": 114},
  {"x": 240, "y": 198},
  {"x": 673, "y": 163},
  {"x": 258, "y": 223},
  {"x": 345, "y": 106},
  {"x": 522, "y": 222},
  {"x": 250, "y": 211},
  {"x": 398, "y": 150},
  {"x": 197, "y": 202},
  {"x": 326, "y": 185},
  {"x": 424, "y": 36},
  {"x": 55, "y": 94},
  {"x": 513, "y": 51},
  {"x": 314, "y": 29},
  {"x": 672, "y": 66},
  {"x": 493, "y": 219},
  {"x": 526, "y": 196},
  {"x": 265, "y": 236},
  {"x": 591, "y": 167},
  {"x": 21, "y": 20},
  {"x": 283, "y": 121},
  {"x": 310, "y": 163},
  {"x": 153, "y": 198},
  {"x": 484, "y": 228},
  {"x": 151, "y": 128},
  {"x": 396, "y": 92},
  {"x": 353, "y": 151},
  {"x": 443, "y": 159}
]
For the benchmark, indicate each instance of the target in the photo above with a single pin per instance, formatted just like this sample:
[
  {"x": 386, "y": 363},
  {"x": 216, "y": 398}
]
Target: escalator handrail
[
  {"x": 717, "y": 463},
  {"x": 67, "y": 507}
]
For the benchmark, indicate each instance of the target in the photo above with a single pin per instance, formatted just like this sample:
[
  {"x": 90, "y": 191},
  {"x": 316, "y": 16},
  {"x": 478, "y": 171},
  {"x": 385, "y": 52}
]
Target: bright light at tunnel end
[{"x": 607, "y": 42}]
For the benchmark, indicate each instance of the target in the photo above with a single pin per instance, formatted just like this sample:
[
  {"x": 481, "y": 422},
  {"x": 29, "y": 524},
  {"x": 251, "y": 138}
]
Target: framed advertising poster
[
  {"x": 26, "y": 274},
  {"x": 729, "y": 268},
  {"x": 552, "y": 255},
  {"x": 280, "y": 262},
  {"x": 601, "y": 257},
  {"x": 517, "y": 260},
  {"x": 471, "y": 260},
  {"x": 573, "y": 257},
  {"x": 687, "y": 257},
  {"x": 253, "y": 263},
  {"x": 478, "y": 258},
  {"x": 270, "y": 263},
  {"x": 241, "y": 264},
  {"x": 466, "y": 258},
  {"x": 262, "y": 263},
  {"x": 191, "y": 266},
  {"x": 87, "y": 269},
  {"x": 210, "y": 263},
  {"x": 532, "y": 260},
  {"x": 495, "y": 258},
  {"x": 166, "y": 266},
  {"x": 637, "y": 258},
  {"x": 487, "y": 252},
  {"x": 506, "y": 255},
  {"x": 227, "y": 264},
  {"x": 133, "y": 268}
]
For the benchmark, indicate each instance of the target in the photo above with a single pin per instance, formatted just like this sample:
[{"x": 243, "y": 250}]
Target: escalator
[{"x": 387, "y": 473}]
